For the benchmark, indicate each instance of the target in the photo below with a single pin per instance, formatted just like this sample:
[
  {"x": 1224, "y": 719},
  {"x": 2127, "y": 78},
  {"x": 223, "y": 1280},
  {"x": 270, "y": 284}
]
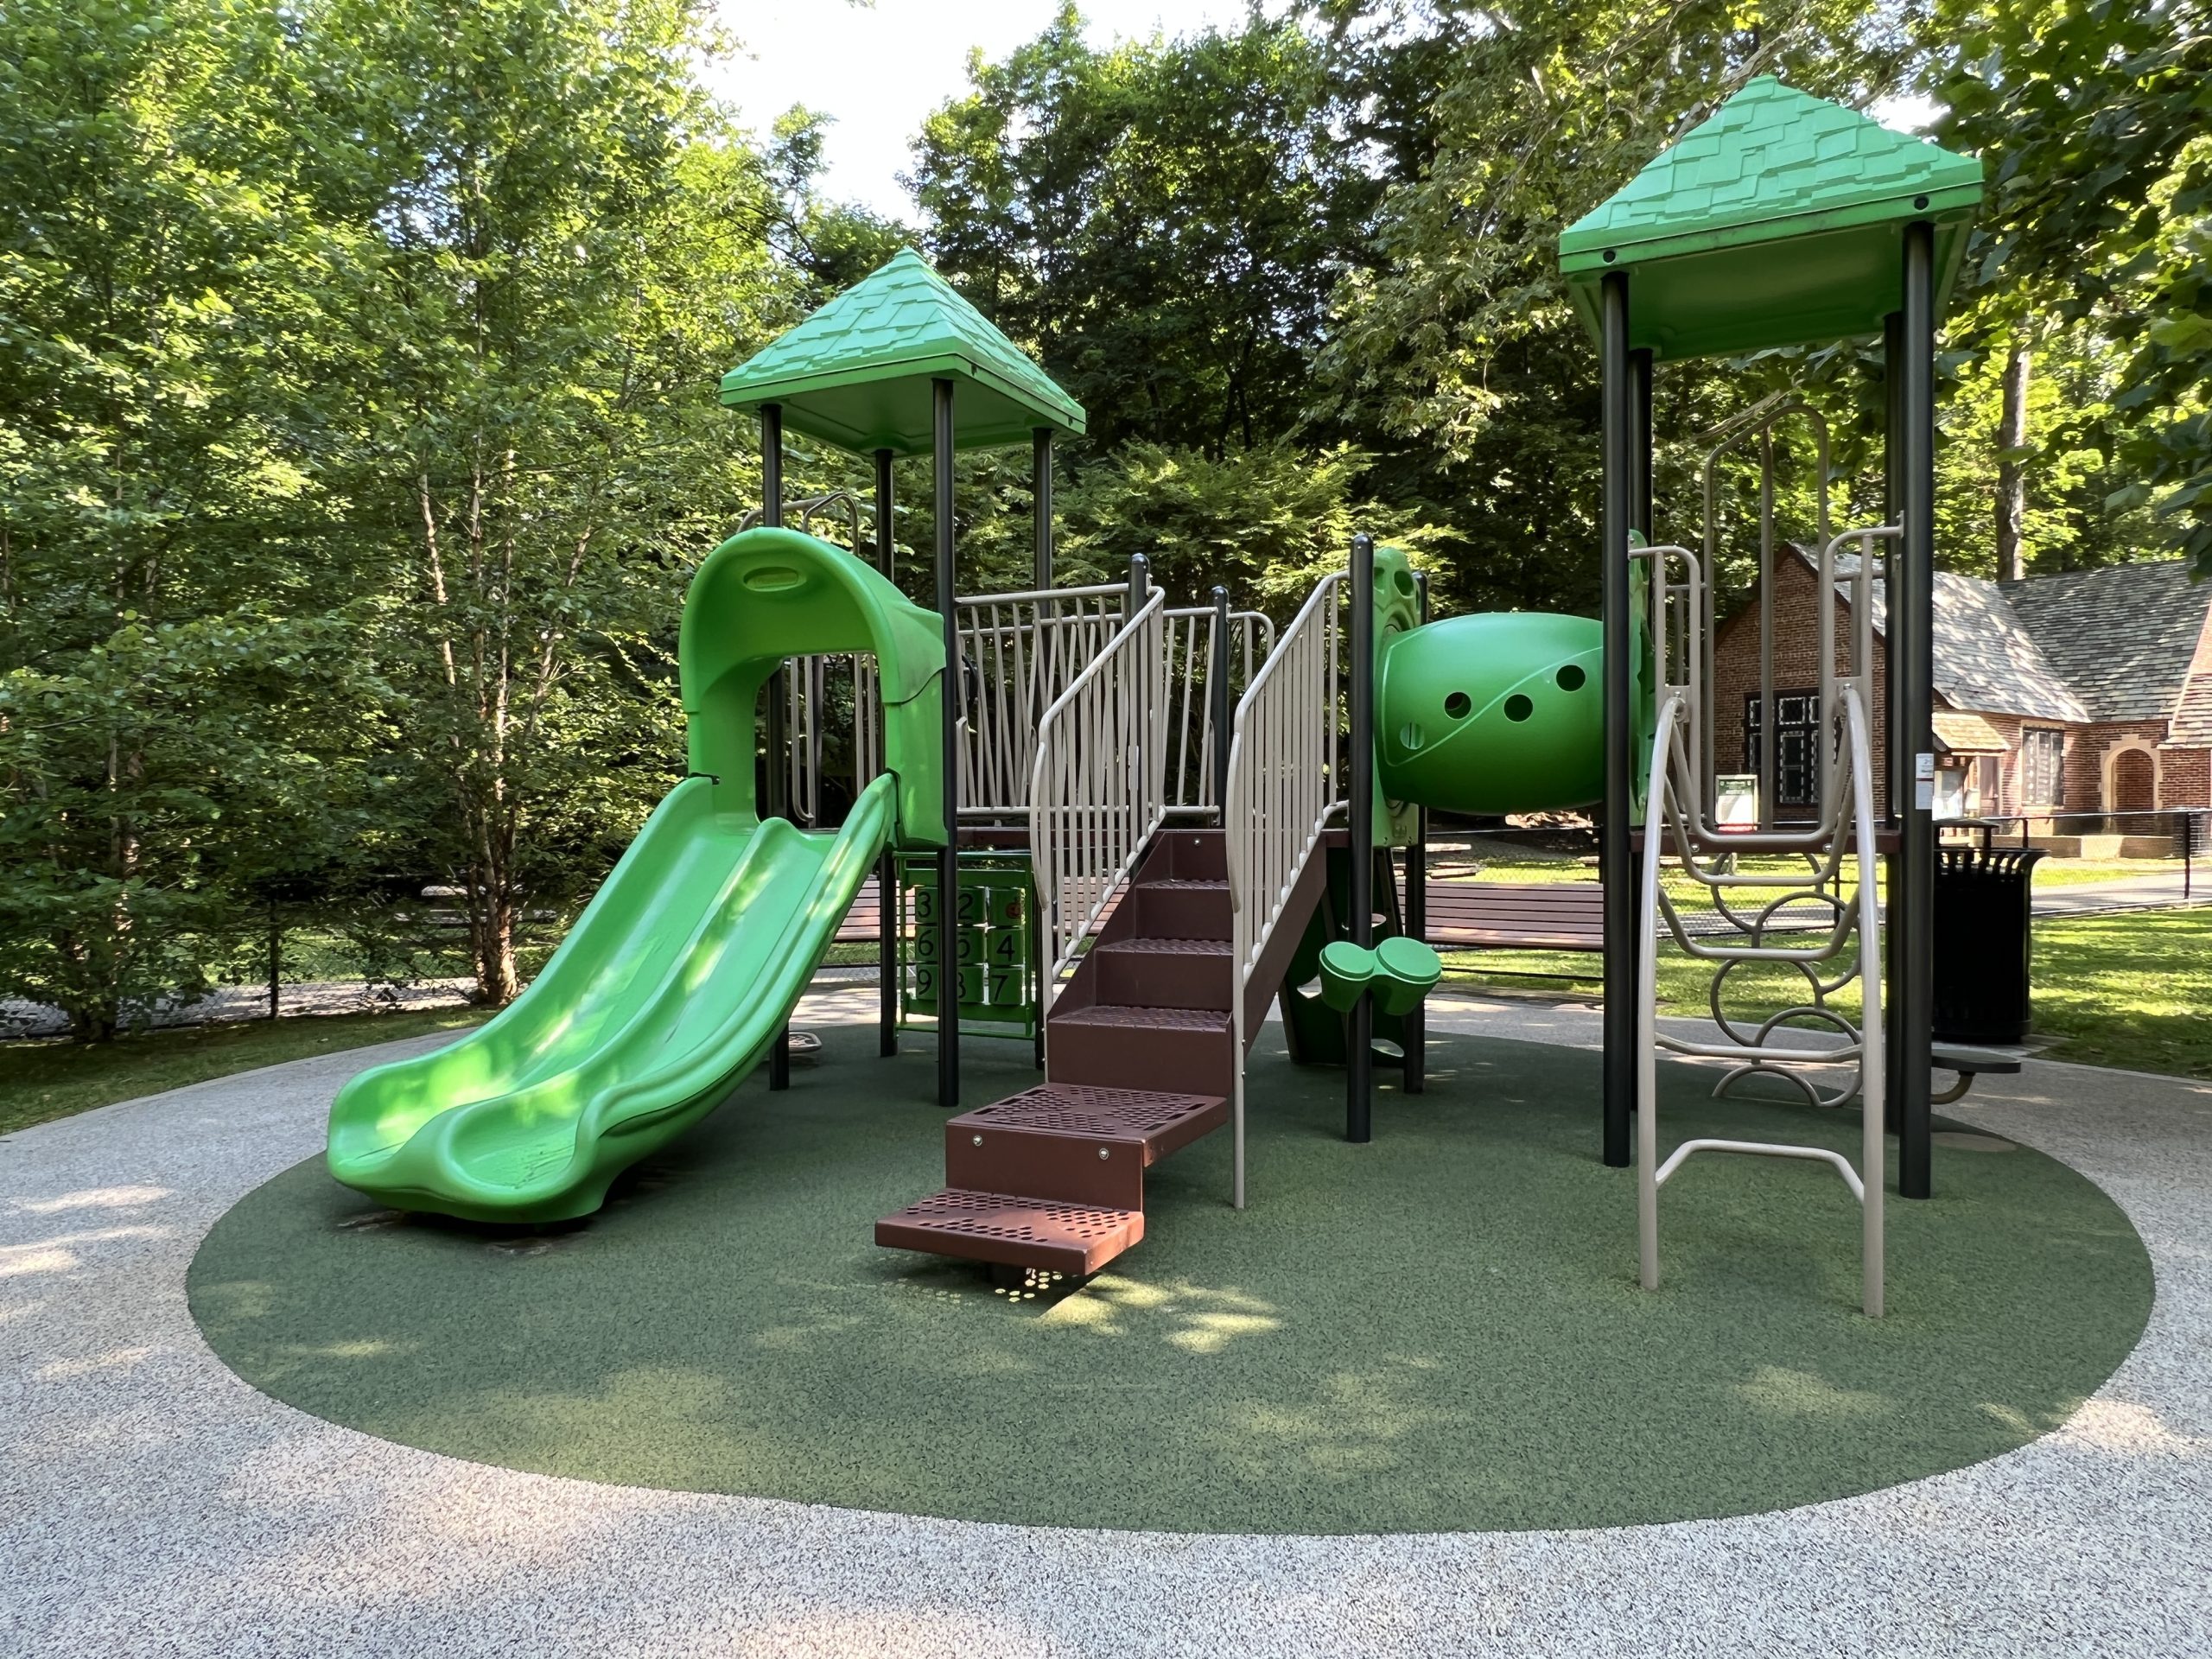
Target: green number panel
[{"x": 993, "y": 944}]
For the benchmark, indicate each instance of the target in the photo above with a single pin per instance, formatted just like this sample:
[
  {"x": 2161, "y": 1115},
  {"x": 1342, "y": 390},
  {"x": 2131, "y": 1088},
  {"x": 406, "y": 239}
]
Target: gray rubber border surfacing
[{"x": 153, "y": 1503}]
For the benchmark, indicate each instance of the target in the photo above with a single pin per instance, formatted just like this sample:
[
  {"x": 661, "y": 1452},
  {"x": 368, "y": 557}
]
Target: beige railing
[
  {"x": 1284, "y": 785},
  {"x": 1839, "y": 941},
  {"x": 1096, "y": 790},
  {"x": 1020, "y": 652}
]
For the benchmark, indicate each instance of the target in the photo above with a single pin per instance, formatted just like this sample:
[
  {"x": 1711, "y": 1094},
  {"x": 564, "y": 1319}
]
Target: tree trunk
[
  {"x": 494, "y": 928},
  {"x": 2012, "y": 467}
]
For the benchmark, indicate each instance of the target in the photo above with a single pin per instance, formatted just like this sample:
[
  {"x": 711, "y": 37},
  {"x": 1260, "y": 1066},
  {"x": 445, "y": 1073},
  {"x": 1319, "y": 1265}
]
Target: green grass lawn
[
  {"x": 46, "y": 1079},
  {"x": 2126, "y": 991},
  {"x": 2129, "y": 990},
  {"x": 2073, "y": 872},
  {"x": 1490, "y": 862}
]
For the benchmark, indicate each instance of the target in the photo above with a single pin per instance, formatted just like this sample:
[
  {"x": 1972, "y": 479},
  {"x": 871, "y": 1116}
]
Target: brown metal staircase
[{"x": 1140, "y": 1062}]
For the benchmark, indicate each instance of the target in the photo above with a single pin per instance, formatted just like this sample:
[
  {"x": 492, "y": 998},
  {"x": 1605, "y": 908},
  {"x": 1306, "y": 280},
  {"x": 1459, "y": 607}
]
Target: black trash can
[{"x": 1983, "y": 918}]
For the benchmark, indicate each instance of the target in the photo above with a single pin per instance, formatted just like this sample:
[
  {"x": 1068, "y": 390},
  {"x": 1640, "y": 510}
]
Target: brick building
[{"x": 2088, "y": 692}]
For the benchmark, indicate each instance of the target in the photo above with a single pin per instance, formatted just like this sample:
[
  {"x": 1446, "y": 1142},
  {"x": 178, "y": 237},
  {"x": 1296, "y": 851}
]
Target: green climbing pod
[
  {"x": 1500, "y": 712},
  {"x": 1401, "y": 971},
  {"x": 1406, "y": 971}
]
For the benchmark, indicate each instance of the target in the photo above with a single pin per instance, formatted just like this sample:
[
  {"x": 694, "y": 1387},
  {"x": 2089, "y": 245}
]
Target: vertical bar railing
[
  {"x": 1283, "y": 785},
  {"x": 1025, "y": 648},
  {"x": 1096, "y": 790}
]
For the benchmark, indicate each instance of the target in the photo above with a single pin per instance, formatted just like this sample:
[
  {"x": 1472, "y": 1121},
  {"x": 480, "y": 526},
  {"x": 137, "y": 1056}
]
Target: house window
[
  {"x": 2042, "y": 767},
  {"x": 1797, "y": 746}
]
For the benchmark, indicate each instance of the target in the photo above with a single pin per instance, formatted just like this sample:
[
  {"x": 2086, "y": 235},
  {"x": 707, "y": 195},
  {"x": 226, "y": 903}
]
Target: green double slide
[{"x": 674, "y": 979}]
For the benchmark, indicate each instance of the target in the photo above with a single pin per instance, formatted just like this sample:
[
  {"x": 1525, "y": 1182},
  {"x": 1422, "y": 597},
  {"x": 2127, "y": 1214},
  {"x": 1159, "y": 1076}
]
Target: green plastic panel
[
  {"x": 674, "y": 979},
  {"x": 773, "y": 593},
  {"x": 1499, "y": 712},
  {"x": 1776, "y": 222},
  {"x": 856, "y": 373},
  {"x": 995, "y": 945},
  {"x": 1397, "y": 612},
  {"x": 667, "y": 991}
]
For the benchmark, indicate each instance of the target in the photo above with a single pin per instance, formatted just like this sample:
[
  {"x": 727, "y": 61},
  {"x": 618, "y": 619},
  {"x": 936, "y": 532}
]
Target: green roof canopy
[
  {"x": 857, "y": 372},
  {"x": 1777, "y": 222}
]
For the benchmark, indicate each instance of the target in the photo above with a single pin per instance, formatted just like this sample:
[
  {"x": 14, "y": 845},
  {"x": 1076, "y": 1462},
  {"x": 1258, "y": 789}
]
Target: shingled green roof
[
  {"x": 857, "y": 372},
  {"x": 1775, "y": 223}
]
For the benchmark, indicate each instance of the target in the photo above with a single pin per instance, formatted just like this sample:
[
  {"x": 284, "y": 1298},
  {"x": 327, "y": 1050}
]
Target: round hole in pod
[
  {"x": 1458, "y": 705},
  {"x": 1518, "y": 707},
  {"x": 1571, "y": 678}
]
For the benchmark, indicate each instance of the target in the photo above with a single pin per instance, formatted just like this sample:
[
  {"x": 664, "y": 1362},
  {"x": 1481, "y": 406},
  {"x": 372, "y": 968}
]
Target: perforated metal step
[
  {"x": 1126, "y": 1017},
  {"x": 1072, "y": 1238},
  {"x": 1146, "y": 946},
  {"x": 1158, "y": 1122}
]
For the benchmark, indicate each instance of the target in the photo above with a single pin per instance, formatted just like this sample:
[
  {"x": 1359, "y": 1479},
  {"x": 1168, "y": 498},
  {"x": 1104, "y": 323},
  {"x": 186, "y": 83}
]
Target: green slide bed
[
  {"x": 665, "y": 994},
  {"x": 676, "y": 977}
]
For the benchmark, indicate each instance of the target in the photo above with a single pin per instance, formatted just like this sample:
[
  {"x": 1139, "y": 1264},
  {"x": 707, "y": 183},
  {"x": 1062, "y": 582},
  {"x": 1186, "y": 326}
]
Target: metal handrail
[
  {"x": 1697, "y": 675},
  {"x": 1280, "y": 794},
  {"x": 1096, "y": 789}
]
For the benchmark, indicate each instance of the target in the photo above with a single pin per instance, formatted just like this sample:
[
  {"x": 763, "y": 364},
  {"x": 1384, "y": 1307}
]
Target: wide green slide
[{"x": 673, "y": 983}]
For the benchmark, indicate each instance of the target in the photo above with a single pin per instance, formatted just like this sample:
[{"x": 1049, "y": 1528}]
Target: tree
[
  {"x": 172, "y": 670},
  {"x": 1454, "y": 353},
  {"x": 2093, "y": 113},
  {"x": 571, "y": 247},
  {"x": 1161, "y": 222}
]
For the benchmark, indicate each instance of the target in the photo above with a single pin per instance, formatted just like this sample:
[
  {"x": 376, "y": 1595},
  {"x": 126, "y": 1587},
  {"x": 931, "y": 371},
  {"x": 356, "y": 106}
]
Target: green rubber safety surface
[{"x": 1440, "y": 1331}]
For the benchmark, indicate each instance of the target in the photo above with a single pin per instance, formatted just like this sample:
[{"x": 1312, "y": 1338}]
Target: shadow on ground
[{"x": 1438, "y": 1331}]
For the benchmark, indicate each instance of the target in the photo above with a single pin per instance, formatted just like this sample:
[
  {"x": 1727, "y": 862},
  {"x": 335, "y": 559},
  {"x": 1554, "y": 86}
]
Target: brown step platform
[
  {"x": 1117, "y": 1046},
  {"x": 1076, "y": 1239},
  {"x": 1052, "y": 1177},
  {"x": 1181, "y": 907},
  {"x": 1144, "y": 971},
  {"x": 1150, "y": 1122}
]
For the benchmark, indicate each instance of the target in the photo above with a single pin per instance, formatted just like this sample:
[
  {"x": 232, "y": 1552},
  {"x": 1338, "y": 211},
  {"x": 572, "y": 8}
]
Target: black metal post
[
  {"x": 1892, "y": 509},
  {"x": 1040, "y": 507},
  {"x": 1140, "y": 585},
  {"x": 1885, "y": 720},
  {"x": 887, "y": 867},
  {"x": 1414, "y": 1031},
  {"x": 885, "y": 543},
  {"x": 1359, "y": 789},
  {"x": 1912, "y": 658},
  {"x": 947, "y": 860},
  {"x": 1217, "y": 703},
  {"x": 778, "y": 778},
  {"x": 1616, "y": 863}
]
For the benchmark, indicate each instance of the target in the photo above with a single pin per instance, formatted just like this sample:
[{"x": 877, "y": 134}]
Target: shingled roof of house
[
  {"x": 1984, "y": 659},
  {"x": 2113, "y": 643},
  {"x": 2120, "y": 636}
]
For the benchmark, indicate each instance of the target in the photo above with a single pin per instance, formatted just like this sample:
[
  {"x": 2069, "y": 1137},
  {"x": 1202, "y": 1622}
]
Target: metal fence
[
  {"x": 317, "y": 948},
  {"x": 2181, "y": 834},
  {"x": 1020, "y": 652}
]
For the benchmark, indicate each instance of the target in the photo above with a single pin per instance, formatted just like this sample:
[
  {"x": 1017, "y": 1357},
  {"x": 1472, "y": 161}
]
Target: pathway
[{"x": 152, "y": 1503}]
